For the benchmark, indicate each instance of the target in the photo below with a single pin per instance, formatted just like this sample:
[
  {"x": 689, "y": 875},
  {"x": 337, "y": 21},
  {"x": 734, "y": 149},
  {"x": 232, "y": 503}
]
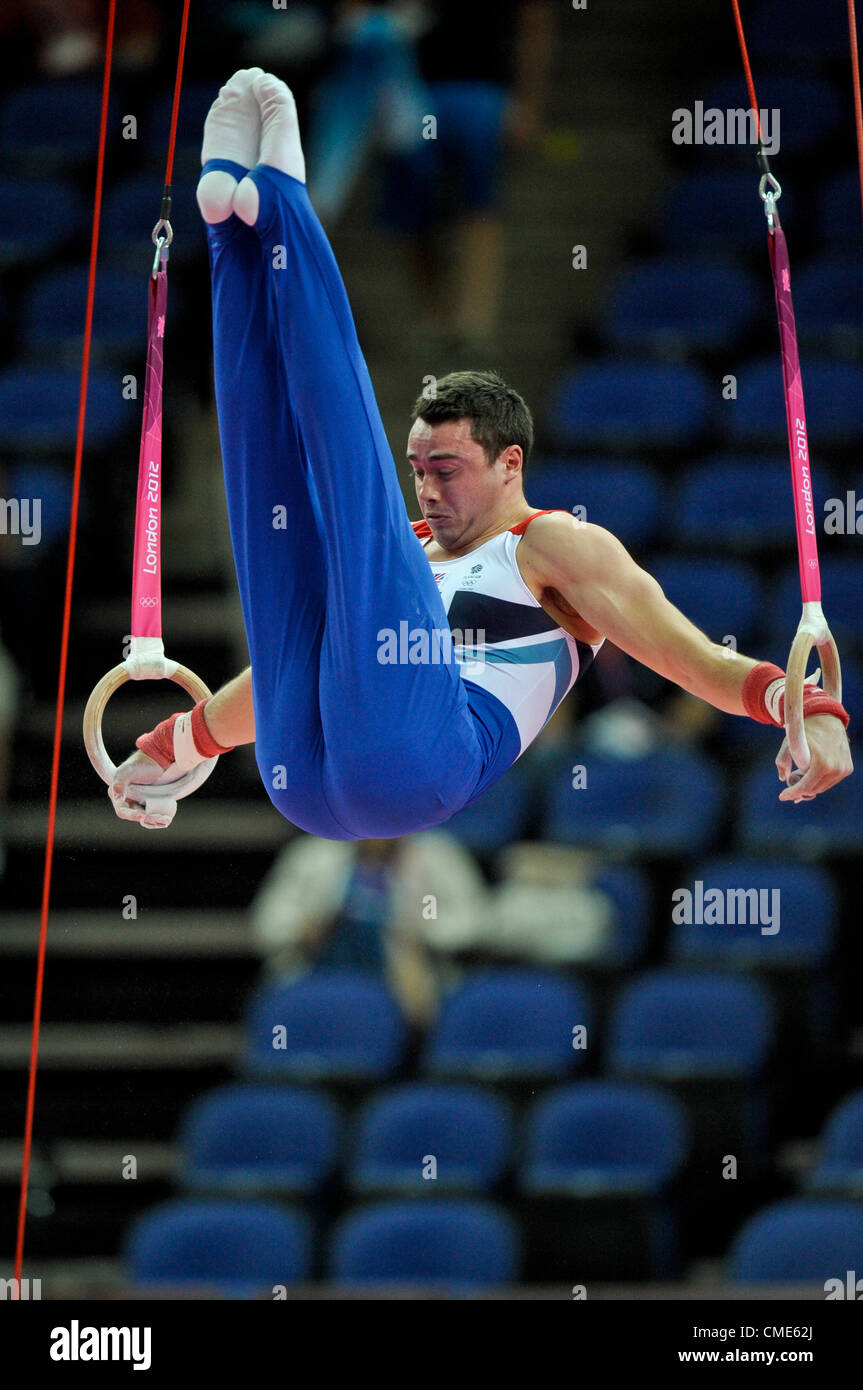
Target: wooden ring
[
  {"x": 95, "y": 745},
  {"x": 795, "y": 675}
]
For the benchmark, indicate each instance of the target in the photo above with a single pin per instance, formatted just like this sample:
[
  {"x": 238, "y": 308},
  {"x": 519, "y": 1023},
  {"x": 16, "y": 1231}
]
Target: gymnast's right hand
[
  {"x": 165, "y": 754},
  {"x": 156, "y": 813}
]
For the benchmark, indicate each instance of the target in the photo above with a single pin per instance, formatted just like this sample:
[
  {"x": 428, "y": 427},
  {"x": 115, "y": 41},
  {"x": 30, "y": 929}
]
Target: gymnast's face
[{"x": 460, "y": 494}]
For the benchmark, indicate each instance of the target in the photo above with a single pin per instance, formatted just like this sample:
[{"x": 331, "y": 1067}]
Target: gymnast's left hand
[
  {"x": 158, "y": 812},
  {"x": 829, "y": 759}
]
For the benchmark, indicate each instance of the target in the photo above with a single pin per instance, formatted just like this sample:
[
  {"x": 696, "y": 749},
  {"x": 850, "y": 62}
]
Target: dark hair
[{"x": 498, "y": 415}]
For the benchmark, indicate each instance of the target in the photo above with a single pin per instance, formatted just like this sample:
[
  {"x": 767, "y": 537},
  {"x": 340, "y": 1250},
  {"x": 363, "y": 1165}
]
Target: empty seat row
[
  {"x": 424, "y": 1138},
  {"x": 671, "y": 801},
  {"x": 675, "y": 305},
  {"x": 683, "y": 305},
  {"x": 42, "y": 216},
  {"x": 258, "y": 1249},
  {"x": 505, "y": 1023},
  {"x": 724, "y": 501},
  {"x": 649, "y": 405},
  {"x": 57, "y": 122},
  {"x": 717, "y": 210}
]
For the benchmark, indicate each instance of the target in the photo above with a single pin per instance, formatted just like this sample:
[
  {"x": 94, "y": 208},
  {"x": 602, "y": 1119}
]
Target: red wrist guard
[
  {"x": 815, "y": 701},
  {"x": 755, "y": 688},
  {"x": 204, "y": 741},
  {"x": 758, "y": 683},
  {"x": 159, "y": 744}
]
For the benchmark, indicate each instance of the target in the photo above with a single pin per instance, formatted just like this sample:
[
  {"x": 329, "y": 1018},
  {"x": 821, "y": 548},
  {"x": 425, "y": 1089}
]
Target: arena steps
[
  {"x": 213, "y": 825},
  {"x": 94, "y": 1161},
  {"x": 120, "y": 1047},
  {"x": 104, "y": 934}
]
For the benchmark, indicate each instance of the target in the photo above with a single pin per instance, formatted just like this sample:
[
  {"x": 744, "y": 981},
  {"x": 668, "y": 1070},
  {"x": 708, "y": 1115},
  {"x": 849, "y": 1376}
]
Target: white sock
[
  {"x": 280, "y": 145},
  {"x": 232, "y": 131}
]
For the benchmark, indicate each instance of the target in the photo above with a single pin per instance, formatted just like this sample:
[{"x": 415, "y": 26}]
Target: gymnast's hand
[
  {"x": 173, "y": 748},
  {"x": 158, "y": 811},
  {"x": 829, "y": 762}
]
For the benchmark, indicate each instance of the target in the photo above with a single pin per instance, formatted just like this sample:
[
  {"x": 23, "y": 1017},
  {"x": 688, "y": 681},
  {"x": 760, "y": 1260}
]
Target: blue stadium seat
[
  {"x": 595, "y": 1185},
  {"x": 668, "y": 802},
  {"x": 720, "y": 596},
  {"x": 832, "y": 824},
  {"x": 131, "y": 210},
  {"x": 624, "y": 496},
  {"x": 833, "y": 393},
  {"x": 468, "y": 1244},
  {"x": 603, "y": 1136},
  {"x": 840, "y": 1167},
  {"x": 239, "y": 1247},
  {"x": 466, "y": 1130},
  {"x": 678, "y": 305},
  {"x": 741, "y": 502},
  {"x": 798, "y": 1241},
  {"x": 828, "y": 303},
  {"x": 625, "y": 406},
  {"x": 629, "y": 890},
  {"x": 839, "y": 210},
  {"x": 809, "y": 115},
  {"x": 326, "y": 1025},
  {"x": 51, "y": 482},
  {"x": 842, "y": 590},
  {"x": 53, "y": 315},
  {"x": 54, "y": 122},
  {"x": 245, "y": 1140},
  {"x": 496, "y": 818},
  {"x": 39, "y": 217},
  {"x": 717, "y": 209},
  {"x": 707, "y": 1037},
  {"x": 508, "y": 1024},
  {"x": 39, "y": 409},
  {"x": 808, "y": 915},
  {"x": 672, "y": 1023}
]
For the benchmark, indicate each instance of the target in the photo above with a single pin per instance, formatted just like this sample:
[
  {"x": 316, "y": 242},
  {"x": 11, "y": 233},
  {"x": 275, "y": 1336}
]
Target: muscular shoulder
[{"x": 559, "y": 546}]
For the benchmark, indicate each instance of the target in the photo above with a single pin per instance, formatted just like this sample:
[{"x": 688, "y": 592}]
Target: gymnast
[{"x": 365, "y": 723}]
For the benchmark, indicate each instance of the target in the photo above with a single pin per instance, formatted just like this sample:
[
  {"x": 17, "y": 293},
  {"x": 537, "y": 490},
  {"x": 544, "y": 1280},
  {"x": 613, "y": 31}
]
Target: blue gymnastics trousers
[{"x": 348, "y": 746}]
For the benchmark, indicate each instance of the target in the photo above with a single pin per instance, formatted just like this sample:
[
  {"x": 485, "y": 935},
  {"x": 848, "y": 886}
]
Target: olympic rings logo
[{"x": 147, "y": 602}]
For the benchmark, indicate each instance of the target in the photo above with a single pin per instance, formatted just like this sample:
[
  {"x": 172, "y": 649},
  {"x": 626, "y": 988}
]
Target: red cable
[
  {"x": 855, "y": 77},
  {"x": 753, "y": 101},
  {"x": 64, "y": 649},
  {"x": 67, "y": 604},
  {"x": 175, "y": 110}
]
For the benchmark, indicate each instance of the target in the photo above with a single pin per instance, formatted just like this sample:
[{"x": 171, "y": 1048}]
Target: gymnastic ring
[
  {"x": 795, "y": 674},
  {"x": 97, "y": 753}
]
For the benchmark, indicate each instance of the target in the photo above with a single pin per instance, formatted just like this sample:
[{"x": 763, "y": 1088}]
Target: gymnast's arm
[
  {"x": 230, "y": 713},
  {"x": 597, "y": 578}
]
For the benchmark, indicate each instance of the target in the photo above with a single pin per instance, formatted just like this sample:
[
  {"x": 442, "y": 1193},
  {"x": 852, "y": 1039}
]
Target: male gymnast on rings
[{"x": 397, "y": 669}]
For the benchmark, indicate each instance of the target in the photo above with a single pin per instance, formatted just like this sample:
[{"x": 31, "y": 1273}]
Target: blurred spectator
[
  {"x": 486, "y": 67},
  {"x": 372, "y": 97},
  {"x": 545, "y": 910},
  {"x": 444, "y": 89},
  {"x": 392, "y": 907},
  {"x": 66, "y": 37}
]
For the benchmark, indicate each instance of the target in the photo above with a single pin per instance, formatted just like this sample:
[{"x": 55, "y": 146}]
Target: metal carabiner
[
  {"x": 162, "y": 241},
  {"x": 769, "y": 196}
]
